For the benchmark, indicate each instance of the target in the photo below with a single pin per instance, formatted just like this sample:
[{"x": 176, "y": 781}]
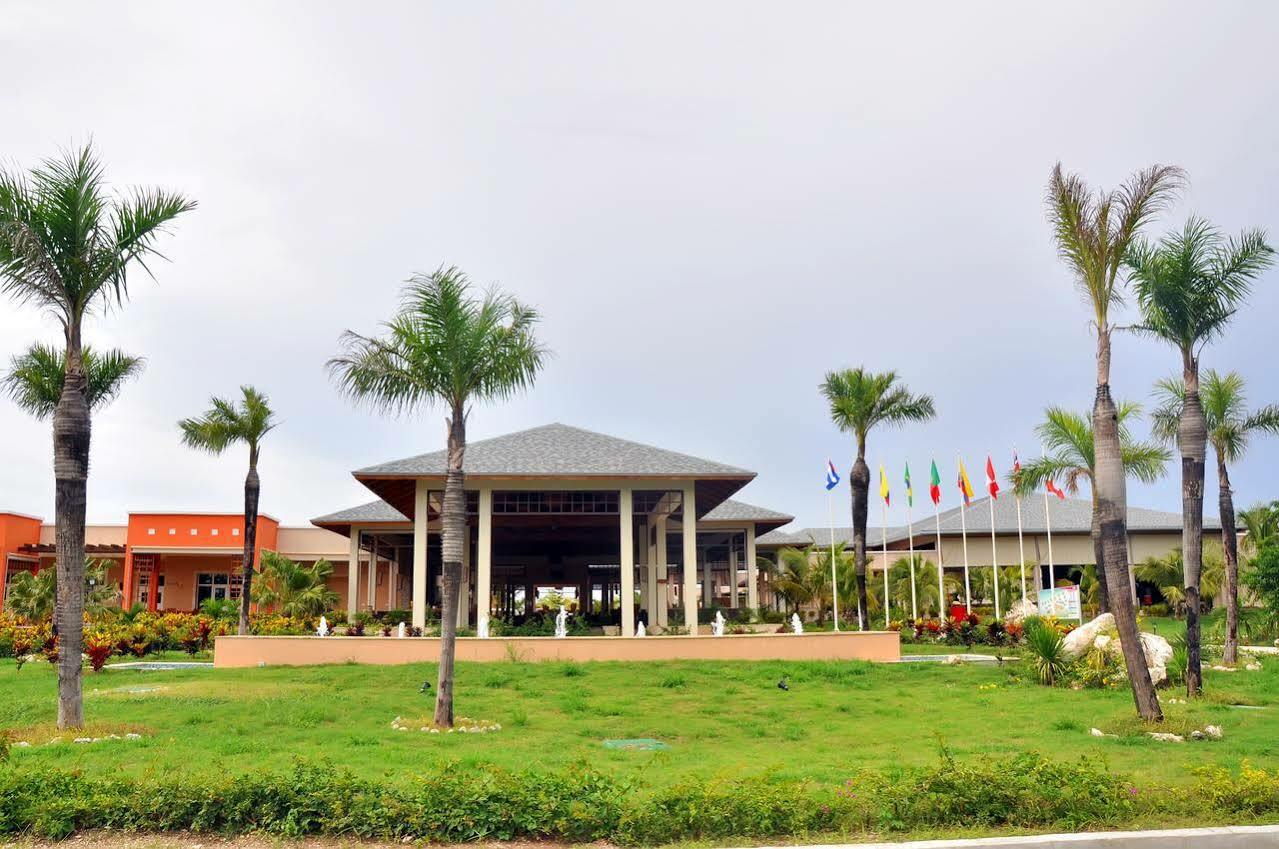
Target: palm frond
[
  {"x": 859, "y": 400},
  {"x": 225, "y": 423},
  {"x": 36, "y": 377}
]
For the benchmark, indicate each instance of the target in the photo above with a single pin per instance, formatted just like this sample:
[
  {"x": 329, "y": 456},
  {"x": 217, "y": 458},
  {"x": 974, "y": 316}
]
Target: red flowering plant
[{"x": 99, "y": 645}]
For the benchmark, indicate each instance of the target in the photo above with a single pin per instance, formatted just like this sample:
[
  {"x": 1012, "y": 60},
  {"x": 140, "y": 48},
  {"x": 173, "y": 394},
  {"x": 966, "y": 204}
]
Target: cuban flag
[{"x": 832, "y": 476}]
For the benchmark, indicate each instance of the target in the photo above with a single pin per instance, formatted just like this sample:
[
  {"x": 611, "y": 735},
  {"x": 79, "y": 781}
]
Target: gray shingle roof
[
  {"x": 379, "y": 511},
  {"x": 1072, "y": 515},
  {"x": 557, "y": 450}
]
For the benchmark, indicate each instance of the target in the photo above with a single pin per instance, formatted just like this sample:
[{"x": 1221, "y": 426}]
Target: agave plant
[{"x": 1048, "y": 650}]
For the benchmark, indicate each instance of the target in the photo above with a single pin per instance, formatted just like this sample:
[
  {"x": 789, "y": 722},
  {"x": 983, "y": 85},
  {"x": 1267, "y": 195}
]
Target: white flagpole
[
  {"x": 1052, "y": 579},
  {"x": 884, "y": 539},
  {"x": 994, "y": 555},
  {"x": 1021, "y": 552},
  {"x": 910, "y": 541},
  {"x": 941, "y": 572},
  {"x": 834, "y": 586},
  {"x": 963, "y": 529}
]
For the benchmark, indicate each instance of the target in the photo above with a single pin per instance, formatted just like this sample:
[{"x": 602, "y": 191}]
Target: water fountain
[
  {"x": 323, "y": 630},
  {"x": 717, "y": 626},
  {"x": 796, "y": 626},
  {"x": 561, "y": 623},
  {"x": 402, "y": 631},
  {"x": 639, "y": 630}
]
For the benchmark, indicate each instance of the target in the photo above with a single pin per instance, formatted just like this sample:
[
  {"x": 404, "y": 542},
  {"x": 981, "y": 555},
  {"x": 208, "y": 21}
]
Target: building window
[
  {"x": 215, "y": 585},
  {"x": 552, "y": 502},
  {"x": 235, "y": 532},
  {"x": 215, "y": 531}
]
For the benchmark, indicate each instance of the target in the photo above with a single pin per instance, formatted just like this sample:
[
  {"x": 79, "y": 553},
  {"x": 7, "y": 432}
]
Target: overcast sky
[{"x": 712, "y": 204}]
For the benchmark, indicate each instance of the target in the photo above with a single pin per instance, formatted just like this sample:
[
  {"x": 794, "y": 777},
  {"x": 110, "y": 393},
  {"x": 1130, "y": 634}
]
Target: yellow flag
[{"x": 883, "y": 485}]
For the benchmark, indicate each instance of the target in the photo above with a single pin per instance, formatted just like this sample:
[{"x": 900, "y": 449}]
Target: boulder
[
  {"x": 1079, "y": 640},
  {"x": 1020, "y": 610}
]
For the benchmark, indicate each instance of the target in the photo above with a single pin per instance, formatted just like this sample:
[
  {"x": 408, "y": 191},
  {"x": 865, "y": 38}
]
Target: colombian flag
[
  {"x": 965, "y": 486},
  {"x": 883, "y": 486}
]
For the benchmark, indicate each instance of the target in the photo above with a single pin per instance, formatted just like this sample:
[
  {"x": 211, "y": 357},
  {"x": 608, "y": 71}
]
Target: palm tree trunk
[
  {"x": 859, "y": 489},
  {"x": 71, "y": 434},
  {"x": 1230, "y": 545},
  {"x": 1192, "y": 438},
  {"x": 1103, "y": 591},
  {"x": 453, "y": 523},
  {"x": 252, "y": 492},
  {"x": 1111, "y": 491}
]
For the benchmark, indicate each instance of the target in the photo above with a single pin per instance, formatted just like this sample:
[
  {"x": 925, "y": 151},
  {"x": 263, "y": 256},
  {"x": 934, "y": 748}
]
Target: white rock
[
  {"x": 22, "y": 744},
  {"x": 1101, "y": 642},
  {"x": 1219, "y": 668},
  {"x": 1213, "y": 731},
  {"x": 1077, "y": 641},
  {"x": 1020, "y": 610},
  {"x": 132, "y": 736},
  {"x": 1253, "y": 666},
  {"x": 1166, "y": 738},
  {"x": 1096, "y": 732}
]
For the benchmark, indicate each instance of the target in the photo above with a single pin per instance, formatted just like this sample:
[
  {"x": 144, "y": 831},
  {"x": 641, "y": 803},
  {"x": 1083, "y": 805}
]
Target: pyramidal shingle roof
[
  {"x": 558, "y": 450},
  {"x": 1072, "y": 515}
]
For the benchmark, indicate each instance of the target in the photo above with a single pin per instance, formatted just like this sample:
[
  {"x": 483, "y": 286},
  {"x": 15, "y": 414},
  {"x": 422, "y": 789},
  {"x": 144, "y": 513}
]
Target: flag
[
  {"x": 910, "y": 493},
  {"x": 1016, "y": 465},
  {"x": 832, "y": 476},
  {"x": 934, "y": 485},
  {"x": 992, "y": 482},
  {"x": 883, "y": 487},
  {"x": 965, "y": 486},
  {"x": 1052, "y": 487}
]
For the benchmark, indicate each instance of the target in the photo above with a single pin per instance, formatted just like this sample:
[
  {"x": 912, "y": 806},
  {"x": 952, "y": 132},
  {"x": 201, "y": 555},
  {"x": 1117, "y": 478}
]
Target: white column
[
  {"x": 353, "y": 574},
  {"x": 420, "y": 509},
  {"x": 464, "y": 585},
  {"x": 372, "y": 593},
  {"x": 689, "y": 532},
  {"x": 626, "y": 522},
  {"x": 732, "y": 575},
  {"x": 752, "y": 571},
  {"x": 663, "y": 588},
  {"x": 484, "y": 565}
]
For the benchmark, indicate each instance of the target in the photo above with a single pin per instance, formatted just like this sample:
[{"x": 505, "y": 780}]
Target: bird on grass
[
  {"x": 426, "y": 688},
  {"x": 784, "y": 684}
]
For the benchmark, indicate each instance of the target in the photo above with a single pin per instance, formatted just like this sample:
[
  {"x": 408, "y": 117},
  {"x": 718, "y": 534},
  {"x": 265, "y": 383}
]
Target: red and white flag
[
  {"x": 992, "y": 483},
  {"x": 1016, "y": 463},
  {"x": 1052, "y": 487}
]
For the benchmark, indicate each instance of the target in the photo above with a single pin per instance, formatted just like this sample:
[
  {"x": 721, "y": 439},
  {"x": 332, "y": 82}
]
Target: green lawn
[{"x": 720, "y": 719}]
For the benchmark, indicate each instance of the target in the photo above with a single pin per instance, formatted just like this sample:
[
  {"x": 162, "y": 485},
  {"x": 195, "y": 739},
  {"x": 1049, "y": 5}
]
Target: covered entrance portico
[{"x": 628, "y": 532}]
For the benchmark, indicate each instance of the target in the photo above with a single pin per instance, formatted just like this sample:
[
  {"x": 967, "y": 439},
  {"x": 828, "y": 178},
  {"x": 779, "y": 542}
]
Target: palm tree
[
  {"x": 925, "y": 585},
  {"x": 225, "y": 424},
  {"x": 294, "y": 589},
  {"x": 66, "y": 246},
  {"x": 36, "y": 377},
  {"x": 445, "y": 347},
  {"x": 1069, "y": 456},
  {"x": 859, "y": 400},
  {"x": 1168, "y": 573},
  {"x": 1189, "y": 285},
  {"x": 33, "y": 596},
  {"x": 1261, "y": 526},
  {"x": 1229, "y": 426},
  {"x": 1093, "y": 231},
  {"x": 804, "y": 576}
]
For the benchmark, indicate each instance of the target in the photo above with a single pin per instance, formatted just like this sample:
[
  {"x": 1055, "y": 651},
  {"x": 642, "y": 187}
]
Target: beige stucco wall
[
  {"x": 312, "y": 543},
  {"x": 232, "y": 652}
]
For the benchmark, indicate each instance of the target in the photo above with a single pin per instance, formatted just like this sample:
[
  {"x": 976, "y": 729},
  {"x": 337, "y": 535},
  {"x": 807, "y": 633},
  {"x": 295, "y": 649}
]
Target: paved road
[{"x": 1234, "y": 837}]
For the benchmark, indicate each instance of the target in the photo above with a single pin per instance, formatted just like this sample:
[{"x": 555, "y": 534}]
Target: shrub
[{"x": 1048, "y": 651}]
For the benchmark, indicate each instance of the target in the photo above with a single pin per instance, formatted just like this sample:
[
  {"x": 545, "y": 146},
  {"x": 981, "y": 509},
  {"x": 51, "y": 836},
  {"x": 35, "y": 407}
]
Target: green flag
[{"x": 934, "y": 485}]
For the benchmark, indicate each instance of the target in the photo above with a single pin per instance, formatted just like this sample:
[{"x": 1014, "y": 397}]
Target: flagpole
[
  {"x": 1048, "y": 521},
  {"x": 994, "y": 555},
  {"x": 834, "y": 586},
  {"x": 884, "y": 539},
  {"x": 941, "y": 572},
  {"x": 910, "y": 541},
  {"x": 963, "y": 529},
  {"x": 1021, "y": 552}
]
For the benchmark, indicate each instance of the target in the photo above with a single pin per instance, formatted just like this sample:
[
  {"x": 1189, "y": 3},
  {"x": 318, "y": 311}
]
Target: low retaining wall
[{"x": 232, "y": 652}]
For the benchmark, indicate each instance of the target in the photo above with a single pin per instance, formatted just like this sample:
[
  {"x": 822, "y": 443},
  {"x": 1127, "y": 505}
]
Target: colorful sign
[{"x": 1061, "y": 602}]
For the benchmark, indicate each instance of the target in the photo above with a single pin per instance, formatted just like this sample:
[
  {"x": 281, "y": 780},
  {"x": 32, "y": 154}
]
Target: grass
[{"x": 720, "y": 719}]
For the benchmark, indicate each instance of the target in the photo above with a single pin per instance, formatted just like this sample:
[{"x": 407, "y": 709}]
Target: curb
[{"x": 1227, "y": 837}]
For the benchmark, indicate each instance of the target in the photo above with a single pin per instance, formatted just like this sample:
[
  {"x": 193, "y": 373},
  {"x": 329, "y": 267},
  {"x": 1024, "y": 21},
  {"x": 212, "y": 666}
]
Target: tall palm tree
[
  {"x": 224, "y": 424},
  {"x": 66, "y": 246},
  {"x": 925, "y": 585},
  {"x": 1261, "y": 526},
  {"x": 1189, "y": 285},
  {"x": 1229, "y": 426},
  {"x": 859, "y": 401},
  {"x": 1093, "y": 230},
  {"x": 1070, "y": 456},
  {"x": 36, "y": 377},
  {"x": 445, "y": 347},
  {"x": 794, "y": 578}
]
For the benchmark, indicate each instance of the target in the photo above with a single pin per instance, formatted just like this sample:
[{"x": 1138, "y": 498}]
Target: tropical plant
[
  {"x": 295, "y": 589},
  {"x": 1069, "y": 456},
  {"x": 33, "y": 596},
  {"x": 222, "y": 609},
  {"x": 1168, "y": 573},
  {"x": 225, "y": 424},
  {"x": 66, "y": 247},
  {"x": 859, "y": 401},
  {"x": 1229, "y": 428},
  {"x": 36, "y": 377},
  {"x": 1263, "y": 578},
  {"x": 983, "y": 585},
  {"x": 1093, "y": 231},
  {"x": 445, "y": 347},
  {"x": 1261, "y": 526},
  {"x": 1048, "y": 650},
  {"x": 1189, "y": 286}
]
